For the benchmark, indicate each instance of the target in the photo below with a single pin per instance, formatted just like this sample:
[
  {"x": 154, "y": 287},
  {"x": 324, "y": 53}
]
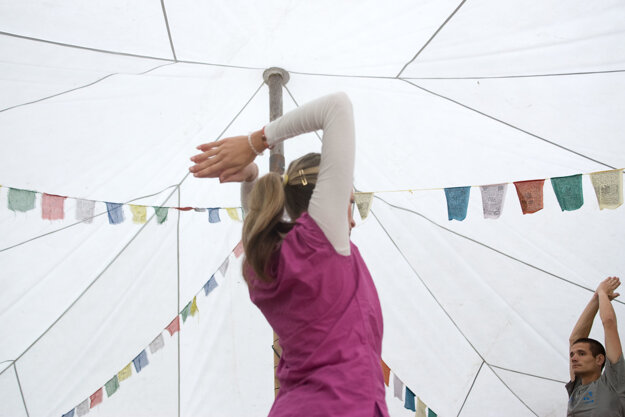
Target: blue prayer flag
[
  {"x": 210, "y": 285},
  {"x": 141, "y": 361},
  {"x": 69, "y": 414},
  {"x": 115, "y": 213},
  {"x": 457, "y": 202},
  {"x": 213, "y": 215},
  {"x": 409, "y": 402}
]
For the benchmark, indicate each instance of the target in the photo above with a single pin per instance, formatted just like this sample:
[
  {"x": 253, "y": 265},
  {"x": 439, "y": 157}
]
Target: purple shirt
[{"x": 325, "y": 309}]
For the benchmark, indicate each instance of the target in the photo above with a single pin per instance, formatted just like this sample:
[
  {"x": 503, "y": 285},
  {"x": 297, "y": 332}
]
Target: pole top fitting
[{"x": 284, "y": 75}]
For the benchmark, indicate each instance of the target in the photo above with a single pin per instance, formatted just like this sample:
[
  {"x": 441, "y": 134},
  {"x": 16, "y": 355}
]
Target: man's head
[{"x": 587, "y": 357}]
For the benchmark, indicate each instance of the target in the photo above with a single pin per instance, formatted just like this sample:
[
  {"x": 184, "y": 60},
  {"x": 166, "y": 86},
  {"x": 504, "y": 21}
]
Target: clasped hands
[
  {"x": 230, "y": 159},
  {"x": 608, "y": 286}
]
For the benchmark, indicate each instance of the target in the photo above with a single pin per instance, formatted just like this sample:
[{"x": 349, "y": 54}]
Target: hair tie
[{"x": 285, "y": 179}]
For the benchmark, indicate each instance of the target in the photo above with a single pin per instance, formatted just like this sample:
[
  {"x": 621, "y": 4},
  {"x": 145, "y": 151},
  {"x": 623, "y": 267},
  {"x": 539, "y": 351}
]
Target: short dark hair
[{"x": 596, "y": 348}]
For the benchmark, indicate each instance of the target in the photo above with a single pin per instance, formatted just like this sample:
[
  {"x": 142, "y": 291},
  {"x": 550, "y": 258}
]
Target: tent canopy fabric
[{"x": 105, "y": 101}]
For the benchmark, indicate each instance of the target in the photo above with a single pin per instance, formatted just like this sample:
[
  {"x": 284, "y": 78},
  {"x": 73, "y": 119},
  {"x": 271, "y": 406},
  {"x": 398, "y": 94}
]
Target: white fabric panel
[
  {"x": 117, "y": 317},
  {"x": 11, "y": 404},
  {"x": 134, "y": 27},
  {"x": 33, "y": 70},
  {"x": 490, "y": 398},
  {"x": 570, "y": 111},
  {"x": 418, "y": 336},
  {"x": 549, "y": 405},
  {"x": 227, "y": 360},
  {"x": 108, "y": 134},
  {"x": 268, "y": 34},
  {"x": 494, "y": 38}
]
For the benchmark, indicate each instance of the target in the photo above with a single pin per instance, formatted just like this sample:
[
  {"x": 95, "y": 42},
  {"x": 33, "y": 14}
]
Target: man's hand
[{"x": 608, "y": 286}]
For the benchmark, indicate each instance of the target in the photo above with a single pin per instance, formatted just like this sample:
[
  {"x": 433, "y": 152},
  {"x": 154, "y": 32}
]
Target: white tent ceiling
[{"x": 106, "y": 101}]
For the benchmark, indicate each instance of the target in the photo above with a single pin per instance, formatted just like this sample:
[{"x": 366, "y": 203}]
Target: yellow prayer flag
[
  {"x": 194, "y": 308},
  {"x": 608, "y": 187},
  {"x": 420, "y": 408},
  {"x": 124, "y": 373},
  {"x": 363, "y": 202},
  {"x": 233, "y": 213},
  {"x": 139, "y": 214}
]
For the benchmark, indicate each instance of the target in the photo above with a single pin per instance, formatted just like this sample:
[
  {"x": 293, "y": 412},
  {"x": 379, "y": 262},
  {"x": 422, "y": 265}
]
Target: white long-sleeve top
[{"x": 330, "y": 199}]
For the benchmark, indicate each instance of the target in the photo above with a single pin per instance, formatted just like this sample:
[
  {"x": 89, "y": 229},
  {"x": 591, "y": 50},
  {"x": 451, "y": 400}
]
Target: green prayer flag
[
  {"x": 111, "y": 386},
  {"x": 569, "y": 192},
  {"x": 185, "y": 312},
  {"x": 431, "y": 413},
  {"x": 21, "y": 200},
  {"x": 161, "y": 214}
]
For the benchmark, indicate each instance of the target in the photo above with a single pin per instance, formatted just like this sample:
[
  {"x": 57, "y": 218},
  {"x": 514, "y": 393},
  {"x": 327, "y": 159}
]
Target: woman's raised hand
[{"x": 227, "y": 157}]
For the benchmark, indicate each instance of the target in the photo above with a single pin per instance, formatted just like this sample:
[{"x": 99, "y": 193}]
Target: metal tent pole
[{"x": 275, "y": 78}]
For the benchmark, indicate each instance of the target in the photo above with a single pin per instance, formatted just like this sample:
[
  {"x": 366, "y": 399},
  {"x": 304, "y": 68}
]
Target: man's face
[{"x": 582, "y": 361}]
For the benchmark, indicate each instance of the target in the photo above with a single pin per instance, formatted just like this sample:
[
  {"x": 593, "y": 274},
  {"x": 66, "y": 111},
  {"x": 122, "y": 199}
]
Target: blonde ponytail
[{"x": 263, "y": 226}]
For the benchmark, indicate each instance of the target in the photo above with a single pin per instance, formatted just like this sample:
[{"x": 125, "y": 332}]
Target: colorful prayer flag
[
  {"x": 194, "y": 309},
  {"x": 112, "y": 386},
  {"x": 530, "y": 195},
  {"x": 238, "y": 249},
  {"x": 157, "y": 344},
  {"x": 82, "y": 408},
  {"x": 174, "y": 326},
  {"x": 420, "y": 408},
  {"x": 21, "y": 200},
  {"x": 213, "y": 215},
  {"x": 568, "y": 191},
  {"x": 493, "y": 197},
  {"x": 233, "y": 213},
  {"x": 608, "y": 187},
  {"x": 161, "y": 214},
  {"x": 457, "y": 202},
  {"x": 115, "y": 212},
  {"x": 96, "y": 398},
  {"x": 186, "y": 311},
  {"x": 224, "y": 267},
  {"x": 124, "y": 373},
  {"x": 409, "y": 401},
  {"x": 84, "y": 210},
  {"x": 210, "y": 285},
  {"x": 363, "y": 202},
  {"x": 69, "y": 413},
  {"x": 52, "y": 207},
  {"x": 141, "y": 361},
  {"x": 386, "y": 371},
  {"x": 139, "y": 214},
  {"x": 398, "y": 387},
  {"x": 431, "y": 413}
]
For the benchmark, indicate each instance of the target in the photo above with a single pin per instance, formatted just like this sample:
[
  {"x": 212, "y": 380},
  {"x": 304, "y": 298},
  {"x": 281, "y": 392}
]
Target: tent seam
[{"x": 431, "y": 38}]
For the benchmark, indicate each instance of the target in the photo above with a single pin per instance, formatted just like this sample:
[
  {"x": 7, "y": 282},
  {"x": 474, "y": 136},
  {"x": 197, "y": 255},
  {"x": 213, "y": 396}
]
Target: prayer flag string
[
  {"x": 141, "y": 361},
  {"x": 608, "y": 186}
]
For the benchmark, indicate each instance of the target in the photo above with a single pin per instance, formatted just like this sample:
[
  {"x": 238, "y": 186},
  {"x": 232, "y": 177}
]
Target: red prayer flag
[
  {"x": 52, "y": 207},
  {"x": 387, "y": 372},
  {"x": 174, "y": 326},
  {"x": 530, "y": 195},
  {"x": 238, "y": 249},
  {"x": 96, "y": 398},
  {"x": 184, "y": 208}
]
